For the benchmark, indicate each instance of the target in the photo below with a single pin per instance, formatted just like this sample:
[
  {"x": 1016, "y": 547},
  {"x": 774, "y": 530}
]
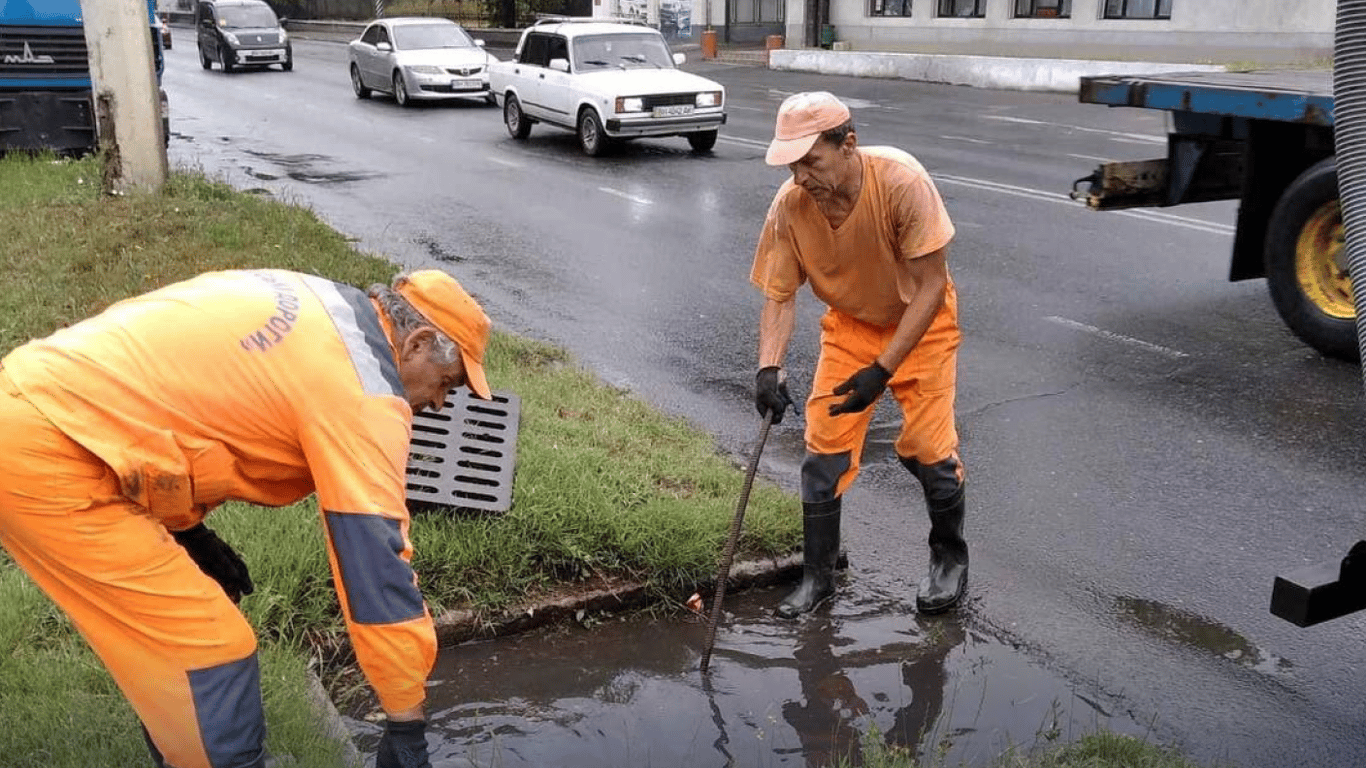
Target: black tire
[
  {"x": 288, "y": 66},
  {"x": 204, "y": 60},
  {"x": 491, "y": 99},
  {"x": 401, "y": 90},
  {"x": 702, "y": 142},
  {"x": 591, "y": 136},
  {"x": 357, "y": 84},
  {"x": 225, "y": 58},
  {"x": 519, "y": 127},
  {"x": 1306, "y": 271}
]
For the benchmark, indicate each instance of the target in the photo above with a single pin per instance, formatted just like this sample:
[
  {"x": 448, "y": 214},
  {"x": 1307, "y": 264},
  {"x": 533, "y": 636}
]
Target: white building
[{"x": 1215, "y": 31}]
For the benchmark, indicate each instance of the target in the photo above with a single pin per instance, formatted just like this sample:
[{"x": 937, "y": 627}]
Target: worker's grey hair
[
  {"x": 406, "y": 319},
  {"x": 838, "y": 134}
]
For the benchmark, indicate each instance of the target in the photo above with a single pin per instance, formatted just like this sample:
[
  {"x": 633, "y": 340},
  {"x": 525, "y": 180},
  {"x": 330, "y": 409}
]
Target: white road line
[
  {"x": 1112, "y": 336},
  {"x": 743, "y": 142},
  {"x": 1137, "y": 137},
  {"x": 964, "y": 138},
  {"x": 626, "y": 196},
  {"x": 1092, "y": 157},
  {"x": 1199, "y": 225},
  {"x": 501, "y": 161}
]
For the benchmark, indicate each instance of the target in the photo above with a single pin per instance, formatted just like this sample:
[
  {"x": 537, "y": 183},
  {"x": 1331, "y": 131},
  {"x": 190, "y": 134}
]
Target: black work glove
[
  {"x": 403, "y": 745},
  {"x": 217, "y": 560},
  {"x": 865, "y": 387},
  {"x": 770, "y": 393}
]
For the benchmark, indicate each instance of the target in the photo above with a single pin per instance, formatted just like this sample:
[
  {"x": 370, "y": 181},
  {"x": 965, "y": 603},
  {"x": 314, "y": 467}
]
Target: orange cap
[
  {"x": 802, "y": 118},
  {"x": 440, "y": 299}
]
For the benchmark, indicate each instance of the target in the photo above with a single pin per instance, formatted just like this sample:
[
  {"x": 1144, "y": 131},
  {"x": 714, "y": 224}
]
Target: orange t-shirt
[
  {"x": 258, "y": 386},
  {"x": 853, "y": 268}
]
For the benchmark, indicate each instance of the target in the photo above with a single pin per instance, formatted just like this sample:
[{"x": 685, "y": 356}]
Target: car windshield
[
  {"x": 246, "y": 17},
  {"x": 621, "y": 51},
  {"x": 410, "y": 37}
]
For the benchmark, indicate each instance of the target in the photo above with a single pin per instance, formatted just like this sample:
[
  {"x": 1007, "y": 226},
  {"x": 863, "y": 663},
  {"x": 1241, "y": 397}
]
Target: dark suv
[{"x": 238, "y": 33}]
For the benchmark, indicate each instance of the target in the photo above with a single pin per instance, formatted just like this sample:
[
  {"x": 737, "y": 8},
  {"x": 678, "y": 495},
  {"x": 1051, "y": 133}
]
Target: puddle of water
[
  {"x": 1186, "y": 628},
  {"x": 628, "y": 692}
]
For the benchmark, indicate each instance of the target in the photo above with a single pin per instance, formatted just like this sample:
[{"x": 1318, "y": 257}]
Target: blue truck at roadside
[
  {"x": 1265, "y": 139},
  {"x": 46, "y": 92}
]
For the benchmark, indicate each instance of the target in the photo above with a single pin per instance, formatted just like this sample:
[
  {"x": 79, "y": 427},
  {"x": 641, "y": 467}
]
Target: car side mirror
[
  {"x": 382, "y": 46},
  {"x": 679, "y": 59},
  {"x": 559, "y": 65},
  {"x": 283, "y": 20},
  {"x": 479, "y": 43}
]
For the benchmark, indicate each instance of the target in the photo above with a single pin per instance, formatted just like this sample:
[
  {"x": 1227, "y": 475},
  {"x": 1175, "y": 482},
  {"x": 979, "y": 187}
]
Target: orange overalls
[
  {"x": 260, "y": 386},
  {"x": 899, "y": 215}
]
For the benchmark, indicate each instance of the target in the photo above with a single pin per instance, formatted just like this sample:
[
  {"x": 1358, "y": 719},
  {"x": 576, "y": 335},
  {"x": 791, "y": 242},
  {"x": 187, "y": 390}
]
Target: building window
[
  {"x": 963, "y": 9},
  {"x": 1138, "y": 9},
  {"x": 890, "y": 8},
  {"x": 1043, "y": 9}
]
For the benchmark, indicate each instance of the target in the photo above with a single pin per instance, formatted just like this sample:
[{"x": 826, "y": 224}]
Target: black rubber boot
[
  {"x": 820, "y": 551},
  {"x": 947, "y": 580}
]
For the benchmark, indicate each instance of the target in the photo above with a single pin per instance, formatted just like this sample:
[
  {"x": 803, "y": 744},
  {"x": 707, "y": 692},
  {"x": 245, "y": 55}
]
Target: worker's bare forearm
[{"x": 776, "y": 322}]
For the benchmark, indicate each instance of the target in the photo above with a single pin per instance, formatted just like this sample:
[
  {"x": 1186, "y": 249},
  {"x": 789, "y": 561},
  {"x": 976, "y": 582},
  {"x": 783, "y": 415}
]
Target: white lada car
[{"x": 606, "y": 81}]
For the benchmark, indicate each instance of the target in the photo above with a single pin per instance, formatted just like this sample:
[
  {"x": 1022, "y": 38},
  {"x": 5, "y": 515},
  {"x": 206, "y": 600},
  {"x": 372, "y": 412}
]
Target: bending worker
[
  {"x": 867, "y": 228},
  {"x": 121, "y": 432}
]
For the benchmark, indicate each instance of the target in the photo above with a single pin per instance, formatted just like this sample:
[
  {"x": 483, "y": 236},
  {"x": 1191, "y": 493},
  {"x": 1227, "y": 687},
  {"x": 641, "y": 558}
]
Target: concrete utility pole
[{"x": 118, "y": 34}]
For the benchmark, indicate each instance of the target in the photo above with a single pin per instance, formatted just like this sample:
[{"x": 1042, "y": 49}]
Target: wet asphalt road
[{"x": 1147, "y": 445}]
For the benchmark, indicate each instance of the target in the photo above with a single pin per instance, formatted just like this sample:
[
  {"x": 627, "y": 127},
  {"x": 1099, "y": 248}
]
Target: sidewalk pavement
[{"x": 995, "y": 72}]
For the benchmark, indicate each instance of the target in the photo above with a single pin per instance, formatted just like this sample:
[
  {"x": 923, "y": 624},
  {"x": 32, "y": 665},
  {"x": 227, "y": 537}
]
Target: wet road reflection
[{"x": 628, "y": 692}]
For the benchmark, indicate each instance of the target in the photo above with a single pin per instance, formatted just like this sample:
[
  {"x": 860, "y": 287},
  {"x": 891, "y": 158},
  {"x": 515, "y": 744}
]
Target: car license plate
[
  {"x": 465, "y": 85},
  {"x": 265, "y": 54},
  {"x": 673, "y": 110}
]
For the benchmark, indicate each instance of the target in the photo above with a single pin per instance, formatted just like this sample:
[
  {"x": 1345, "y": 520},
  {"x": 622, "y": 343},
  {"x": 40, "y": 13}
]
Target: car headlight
[
  {"x": 630, "y": 104},
  {"x": 284, "y": 36},
  {"x": 426, "y": 69},
  {"x": 709, "y": 99},
  {"x": 230, "y": 37}
]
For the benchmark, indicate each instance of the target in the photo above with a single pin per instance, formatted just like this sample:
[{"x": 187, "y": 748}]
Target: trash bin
[
  {"x": 709, "y": 44},
  {"x": 827, "y": 35}
]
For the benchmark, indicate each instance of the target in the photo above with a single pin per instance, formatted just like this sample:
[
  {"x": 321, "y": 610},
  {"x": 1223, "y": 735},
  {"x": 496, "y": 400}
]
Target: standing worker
[
  {"x": 123, "y": 431},
  {"x": 867, "y": 228}
]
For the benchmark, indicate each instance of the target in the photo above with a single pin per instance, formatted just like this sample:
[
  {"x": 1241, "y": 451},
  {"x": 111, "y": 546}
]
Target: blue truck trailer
[
  {"x": 1266, "y": 140},
  {"x": 45, "y": 85}
]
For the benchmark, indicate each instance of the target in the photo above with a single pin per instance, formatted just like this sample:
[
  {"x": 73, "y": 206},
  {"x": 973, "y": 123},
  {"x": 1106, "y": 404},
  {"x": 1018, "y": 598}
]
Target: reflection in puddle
[
  {"x": 1198, "y": 632},
  {"x": 628, "y": 692}
]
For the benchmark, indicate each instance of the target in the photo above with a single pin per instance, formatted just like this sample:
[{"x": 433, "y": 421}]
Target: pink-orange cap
[
  {"x": 802, "y": 118},
  {"x": 439, "y": 298}
]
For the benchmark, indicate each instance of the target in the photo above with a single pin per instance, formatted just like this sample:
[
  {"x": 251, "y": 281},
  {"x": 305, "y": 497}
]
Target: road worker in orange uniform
[
  {"x": 122, "y": 432},
  {"x": 867, "y": 229}
]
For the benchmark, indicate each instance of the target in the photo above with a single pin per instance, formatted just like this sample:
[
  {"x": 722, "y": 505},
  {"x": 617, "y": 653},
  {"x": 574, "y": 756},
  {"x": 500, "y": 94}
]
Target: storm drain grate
[{"x": 464, "y": 455}]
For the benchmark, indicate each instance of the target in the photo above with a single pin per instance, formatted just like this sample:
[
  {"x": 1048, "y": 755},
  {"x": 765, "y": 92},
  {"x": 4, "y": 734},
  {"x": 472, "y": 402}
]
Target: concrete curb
[{"x": 998, "y": 72}]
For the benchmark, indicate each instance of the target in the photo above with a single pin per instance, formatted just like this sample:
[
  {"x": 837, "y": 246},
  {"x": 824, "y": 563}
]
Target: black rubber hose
[{"x": 1349, "y": 118}]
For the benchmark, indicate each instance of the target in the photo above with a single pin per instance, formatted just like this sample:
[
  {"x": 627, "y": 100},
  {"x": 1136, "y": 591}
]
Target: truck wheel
[
  {"x": 591, "y": 136},
  {"x": 1306, "y": 263},
  {"x": 518, "y": 126},
  {"x": 357, "y": 84},
  {"x": 400, "y": 90},
  {"x": 204, "y": 60},
  {"x": 702, "y": 142},
  {"x": 225, "y": 58}
]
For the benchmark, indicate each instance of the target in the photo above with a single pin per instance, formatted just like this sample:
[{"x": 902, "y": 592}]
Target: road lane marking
[
  {"x": 1112, "y": 336},
  {"x": 1199, "y": 225},
  {"x": 626, "y": 196},
  {"x": 508, "y": 163},
  {"x": 1142, "y": 138},
  {"x": 744, "y": 142},
  {"x": 1092, "y": 157},
  {"x": 965, "y": 138}
]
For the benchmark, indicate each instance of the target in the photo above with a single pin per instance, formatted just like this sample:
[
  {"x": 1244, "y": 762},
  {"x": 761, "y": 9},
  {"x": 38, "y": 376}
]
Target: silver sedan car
[{"x": 419, "y": 58}]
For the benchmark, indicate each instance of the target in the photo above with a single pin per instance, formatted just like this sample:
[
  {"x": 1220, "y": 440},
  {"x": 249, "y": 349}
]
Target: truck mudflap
[{"x": 61, "y": 121}]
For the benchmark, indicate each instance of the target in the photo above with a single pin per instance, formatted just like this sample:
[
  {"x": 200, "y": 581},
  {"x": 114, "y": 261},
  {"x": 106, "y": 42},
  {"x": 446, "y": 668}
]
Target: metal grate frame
[{"x": 464, "y": 456}]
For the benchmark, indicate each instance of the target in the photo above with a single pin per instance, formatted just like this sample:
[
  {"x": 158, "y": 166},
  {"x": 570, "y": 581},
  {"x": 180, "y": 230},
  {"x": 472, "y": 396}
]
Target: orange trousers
[
  {"x": 923, "y": 385},
  {"x": 181, "y": 652}
]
